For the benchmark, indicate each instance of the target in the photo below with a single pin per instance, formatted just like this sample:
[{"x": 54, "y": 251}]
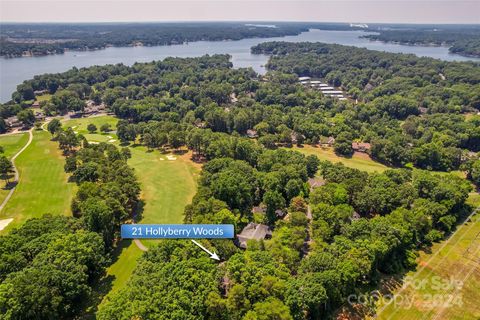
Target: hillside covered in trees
[
  {"x": 326, "y": 242},
  {"x": 462, "y": 39}
]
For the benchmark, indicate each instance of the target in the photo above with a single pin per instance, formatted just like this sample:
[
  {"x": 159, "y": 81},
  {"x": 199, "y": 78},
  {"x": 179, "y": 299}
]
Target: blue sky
[{"x": 408, "y": 11}]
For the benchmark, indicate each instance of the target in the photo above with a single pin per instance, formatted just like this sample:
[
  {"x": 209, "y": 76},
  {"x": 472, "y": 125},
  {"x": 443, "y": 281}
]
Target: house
[
  {"x": 40, "y": 92},
  {"x": 200, "y": 124},
  {"x": 355, "y": 216},
  {"x": 304, "y": 78},
  {"x": 327, "y": 141},
  {"x": 36, "y": 104},
  {"x": 326, "y": 88},
  {"x": 233, "y": 97},
  {"x": 90, "y": 110},
  {"x": 315, "y": 182},
  {"x": 259, "y": 209},
  {"x": 252, "y": 133},
  {"x": 39, "y": 116},
  {"x": 332, "y": 92},
  {"x": 294, "y": 137},
  {"x": 361, "y": 146},
  {"x": 253, "y": 231},
  {"x": 280, "y": 213},
  {"x": 13, "y": 122},
  {"x": 468, "y": 155},
  {"x": 368, "y": 87}
]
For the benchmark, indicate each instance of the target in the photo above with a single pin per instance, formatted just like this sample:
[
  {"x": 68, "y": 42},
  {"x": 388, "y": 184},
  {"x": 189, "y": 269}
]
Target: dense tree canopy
[{"x": 326, "y": 242}]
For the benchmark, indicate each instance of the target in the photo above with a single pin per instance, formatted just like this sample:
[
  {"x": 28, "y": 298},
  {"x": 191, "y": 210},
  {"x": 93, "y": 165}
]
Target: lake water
[{"x": 14, "y": 71}]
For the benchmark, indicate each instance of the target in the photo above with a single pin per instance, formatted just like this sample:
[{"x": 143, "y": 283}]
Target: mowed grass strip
[
  {"x": 43, "y": 186},
  {"x": 167, "y": 187},
  {"x": 361, "y": 161},
  {"x": 168, "y": 183},
  {"x": 446, "y": 283},
  {"x": 11, "y": 145}
]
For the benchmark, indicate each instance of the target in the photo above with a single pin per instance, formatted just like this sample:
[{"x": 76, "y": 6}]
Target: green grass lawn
[
  {"x": 80, "y": 124},
  {"x": 43, "y": 186},
  {"x": 167, "y": 185},
  {"x": 359, "y": 161},
  {"x": 44, "y": 97},
  {"x": 448, "y": 262},
  {"x": 11, "y": 145}
]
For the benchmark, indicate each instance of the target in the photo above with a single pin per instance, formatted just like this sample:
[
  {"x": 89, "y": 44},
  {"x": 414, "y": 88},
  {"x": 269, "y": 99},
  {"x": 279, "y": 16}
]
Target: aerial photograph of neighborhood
[{"x": 240, "y": 159}]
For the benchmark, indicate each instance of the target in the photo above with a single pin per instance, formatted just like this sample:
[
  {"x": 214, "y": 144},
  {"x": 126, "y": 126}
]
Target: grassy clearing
[
  {"x": 11, "y": 145},
  {"x": 167, "y": 185},
  {"x": 359, "y": 161},
  {"x": 80, "y": 125},
  {"x": 445, "y": 284},
  {"x": 43, "y": 186},
  {"x": 44, "y": 97}
]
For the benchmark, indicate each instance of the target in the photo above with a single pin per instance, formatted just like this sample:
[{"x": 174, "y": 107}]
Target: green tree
[
  {"x": 270, "y": 309},
  {"x": 54, "y": 125},
  {"x": 106, "y": 127},
  {"x": 176, "y": 139},
  {"x": 343, "y": 144},
  {"x": 6, "y": 168},
  {"x": 274, "y": 201},
  {"x": 26, "y": 117},
  {"x": 91, "y": 128}
]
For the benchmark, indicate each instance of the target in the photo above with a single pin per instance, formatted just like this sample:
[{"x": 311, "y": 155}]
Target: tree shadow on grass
[
  {"x": 138, "y": 211},
  {"x": 9, "y": 185},
  {"x": 180, "y": 151},
  {"x": 104, "y": 284}
]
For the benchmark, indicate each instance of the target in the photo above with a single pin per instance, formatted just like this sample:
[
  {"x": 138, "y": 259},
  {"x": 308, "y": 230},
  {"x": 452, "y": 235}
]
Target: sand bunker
[
  {"x": 112, "y": 140},
  {"x": 169, "y": 157},
  {"x": 4, "y": 223},
  {"x": 161, "y": 159},
  {"x": 93, "y": 142}
]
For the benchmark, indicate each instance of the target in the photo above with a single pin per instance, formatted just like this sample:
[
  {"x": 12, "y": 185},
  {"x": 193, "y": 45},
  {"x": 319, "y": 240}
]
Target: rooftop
[{"x": 253, "y": 231}]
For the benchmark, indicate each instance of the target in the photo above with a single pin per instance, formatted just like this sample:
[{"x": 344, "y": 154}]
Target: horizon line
[{"x": 233, "y": 21}]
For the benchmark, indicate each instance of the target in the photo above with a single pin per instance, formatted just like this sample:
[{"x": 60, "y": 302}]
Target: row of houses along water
[{"x": 325, "y": 88}]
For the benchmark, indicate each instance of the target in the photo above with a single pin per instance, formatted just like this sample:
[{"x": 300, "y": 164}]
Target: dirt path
[
  {"x": 17, "y": 174},
  {"x": 140, "y": 245}
]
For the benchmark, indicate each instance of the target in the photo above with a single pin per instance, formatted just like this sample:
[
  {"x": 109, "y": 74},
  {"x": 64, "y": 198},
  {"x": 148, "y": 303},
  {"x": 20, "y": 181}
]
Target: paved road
[{"x": 17, "y": 174}]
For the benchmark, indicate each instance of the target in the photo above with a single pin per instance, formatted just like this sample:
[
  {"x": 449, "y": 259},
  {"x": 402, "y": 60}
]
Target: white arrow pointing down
[{"x": 212, "y": 255}]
